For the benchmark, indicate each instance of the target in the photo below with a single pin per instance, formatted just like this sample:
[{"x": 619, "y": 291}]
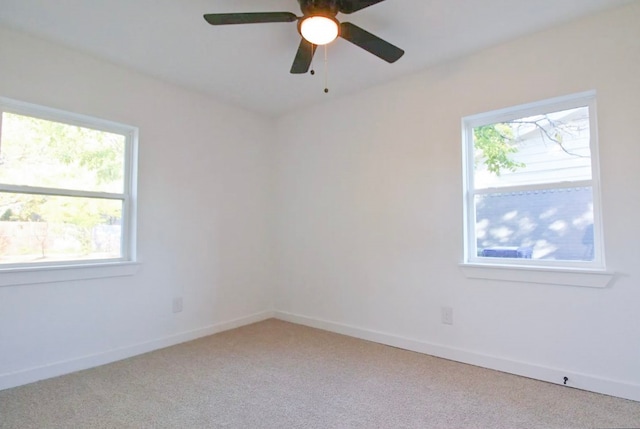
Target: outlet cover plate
[
  {"x": 177, "y": 304},
  {"x": 447, "y": 315}
]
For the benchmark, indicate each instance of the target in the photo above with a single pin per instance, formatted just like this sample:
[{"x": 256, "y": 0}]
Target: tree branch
[{"x": 545, "y": 133}]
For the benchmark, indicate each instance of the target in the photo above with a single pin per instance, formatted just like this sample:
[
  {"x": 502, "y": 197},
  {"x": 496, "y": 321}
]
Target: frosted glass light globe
[{"x": 319, "y": 30}]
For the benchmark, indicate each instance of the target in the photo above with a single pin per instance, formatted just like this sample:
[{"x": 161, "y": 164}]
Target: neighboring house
[{"x": 555, "y": 223}]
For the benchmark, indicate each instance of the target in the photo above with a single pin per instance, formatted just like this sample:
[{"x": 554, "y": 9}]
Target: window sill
[
  {"x": 63, "y": 273},
  {"x": 541, "y": 275}
]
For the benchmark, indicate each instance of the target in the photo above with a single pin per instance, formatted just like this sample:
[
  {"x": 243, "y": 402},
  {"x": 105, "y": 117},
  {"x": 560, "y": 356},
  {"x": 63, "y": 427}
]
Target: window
[
  {"x": 66, "y": 188},
  {"x": 532, "y": 190}
]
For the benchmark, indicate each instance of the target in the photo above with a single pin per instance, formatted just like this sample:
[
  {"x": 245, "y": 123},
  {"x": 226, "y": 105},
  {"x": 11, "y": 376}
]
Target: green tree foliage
[
  {"x": 7, "y": 215},
  {"x": 493, "y": 144},
  {"x": 37, "y": 152},
  {"x": 47, "y": 154}
]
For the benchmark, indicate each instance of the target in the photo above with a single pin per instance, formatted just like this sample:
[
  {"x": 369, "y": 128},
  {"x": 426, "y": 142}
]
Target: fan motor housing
[{"x": 328, "y": 8}]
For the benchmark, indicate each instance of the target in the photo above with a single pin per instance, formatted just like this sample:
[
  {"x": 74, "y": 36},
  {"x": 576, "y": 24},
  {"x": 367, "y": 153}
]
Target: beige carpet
[{"x": 275, "y": 374}]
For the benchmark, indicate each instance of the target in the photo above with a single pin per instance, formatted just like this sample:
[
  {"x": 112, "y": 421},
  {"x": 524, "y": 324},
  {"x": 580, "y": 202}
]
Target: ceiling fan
[{"x": 318, "y": 26}]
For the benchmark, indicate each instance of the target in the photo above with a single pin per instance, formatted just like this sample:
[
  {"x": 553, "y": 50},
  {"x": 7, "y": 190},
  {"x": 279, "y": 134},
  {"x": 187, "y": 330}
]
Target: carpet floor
[{"x": 275, "y": 374}]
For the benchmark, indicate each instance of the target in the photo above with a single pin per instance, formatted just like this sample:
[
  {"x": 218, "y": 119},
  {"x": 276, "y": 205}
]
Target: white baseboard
[
  {"x": 56, "y": 369},
  {"x": 552, "y": 375},
  {"x": 581, "y": 381}
]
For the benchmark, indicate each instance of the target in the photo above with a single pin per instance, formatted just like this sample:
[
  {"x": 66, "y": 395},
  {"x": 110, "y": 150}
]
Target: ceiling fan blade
[
  {"x": 249, "y": 18},
  {"x": 367, "y": 41},
  {"x": 303, "y": 58},
  {"x": 350, "y": 6}
]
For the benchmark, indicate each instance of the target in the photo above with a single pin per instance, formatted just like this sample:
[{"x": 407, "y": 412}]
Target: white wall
[
  {"x": 203, "y": 225},
  {"x": 370, "y": 190}
]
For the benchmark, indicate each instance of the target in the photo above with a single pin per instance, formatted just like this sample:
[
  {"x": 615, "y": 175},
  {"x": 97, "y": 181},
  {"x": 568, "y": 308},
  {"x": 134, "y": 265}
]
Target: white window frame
[
  {"x": 522, "y": 268},
  {"x": 25, "y": 273}
]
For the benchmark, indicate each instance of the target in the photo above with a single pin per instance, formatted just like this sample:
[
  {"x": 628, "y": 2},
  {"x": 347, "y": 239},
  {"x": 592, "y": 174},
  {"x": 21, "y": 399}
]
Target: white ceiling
[{"x": 248, "y": 65}]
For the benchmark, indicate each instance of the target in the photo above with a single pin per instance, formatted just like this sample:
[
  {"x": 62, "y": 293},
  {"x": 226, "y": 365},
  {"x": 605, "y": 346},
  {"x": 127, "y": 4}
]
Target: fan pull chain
[
  {"x": 312, "y": 47},
  {"x": 326, "y": 70}
]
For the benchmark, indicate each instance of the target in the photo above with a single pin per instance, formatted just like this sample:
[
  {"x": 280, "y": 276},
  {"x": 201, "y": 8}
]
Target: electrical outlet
[
  {"x": 177, "y": 304},
  {"x": 447, "y": 315}
]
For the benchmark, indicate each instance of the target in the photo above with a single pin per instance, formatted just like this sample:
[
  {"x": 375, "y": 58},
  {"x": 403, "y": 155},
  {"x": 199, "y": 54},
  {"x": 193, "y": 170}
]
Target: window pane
[
  {"x": 553, "y": 147},
  {"x": 554, "y": 224},
  {"x": 36, "y": 152},
  {"x": 42, "y": 228}
]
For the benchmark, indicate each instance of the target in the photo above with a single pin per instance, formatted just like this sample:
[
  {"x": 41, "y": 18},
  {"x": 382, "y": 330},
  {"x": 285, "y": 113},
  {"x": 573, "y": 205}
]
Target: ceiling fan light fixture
[
  {"x": 317, "y": 26},
  {"x": 319, "y": 30}
]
